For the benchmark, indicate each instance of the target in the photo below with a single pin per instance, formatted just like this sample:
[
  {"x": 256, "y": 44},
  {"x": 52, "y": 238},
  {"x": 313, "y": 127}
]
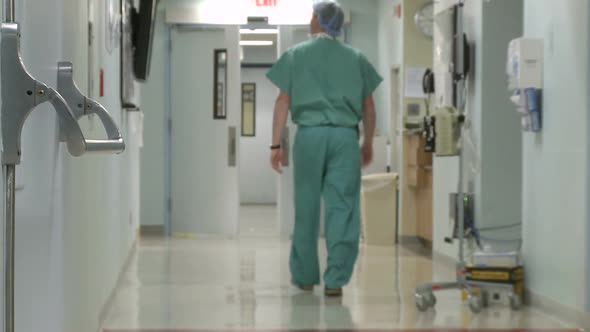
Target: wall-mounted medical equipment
[
  {"x": 137, "y": 28},
  {"x": 447, "y": 131},
  {"x": 524, "y": 67},
  {"x": 442, "y": 128},
  {"x": 452, "y": 58},
  {"x": 451, "y": 67},
  {"x": 428, "y": 127},
  {"x": 446, "y": 81}
]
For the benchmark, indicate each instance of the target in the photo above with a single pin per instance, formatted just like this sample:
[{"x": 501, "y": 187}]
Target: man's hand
[
  {"x": 369, "y": 132},
  {"x": 278, "y": 128},
  {"x": 276, "y": 160},
  {"x": 367, "y": 154}
]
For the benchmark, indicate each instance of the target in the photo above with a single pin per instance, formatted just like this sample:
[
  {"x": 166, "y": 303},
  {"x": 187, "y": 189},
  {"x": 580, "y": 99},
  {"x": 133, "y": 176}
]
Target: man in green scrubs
[{"x": 328, "y": 87}]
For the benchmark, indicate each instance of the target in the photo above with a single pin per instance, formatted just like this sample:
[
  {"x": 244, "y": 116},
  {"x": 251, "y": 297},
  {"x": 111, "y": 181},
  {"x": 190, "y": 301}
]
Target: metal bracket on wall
[
  {"x": 232, "y": 149},
  {"x": 83, "y": 106},
  {"x": 21, "y": 93}
]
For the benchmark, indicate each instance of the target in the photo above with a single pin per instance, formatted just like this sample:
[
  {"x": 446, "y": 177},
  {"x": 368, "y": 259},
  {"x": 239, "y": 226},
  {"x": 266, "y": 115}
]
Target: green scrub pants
[{"x": 327, "y": 163}]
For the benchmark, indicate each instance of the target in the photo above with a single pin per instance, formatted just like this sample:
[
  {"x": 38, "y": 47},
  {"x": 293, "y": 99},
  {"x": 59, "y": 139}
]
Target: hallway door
[{"x": 205, "y": 198}]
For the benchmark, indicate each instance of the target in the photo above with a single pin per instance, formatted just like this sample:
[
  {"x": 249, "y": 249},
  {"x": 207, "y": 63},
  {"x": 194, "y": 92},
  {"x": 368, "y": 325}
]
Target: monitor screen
[
  {"x": 129, "y": 97},
  {"x": 144, "y": 20},
  {"x": 451, "y": 56}
]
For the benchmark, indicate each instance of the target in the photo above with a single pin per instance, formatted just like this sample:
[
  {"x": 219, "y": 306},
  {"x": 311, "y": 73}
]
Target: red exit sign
[{"x": 266, "y": 3}]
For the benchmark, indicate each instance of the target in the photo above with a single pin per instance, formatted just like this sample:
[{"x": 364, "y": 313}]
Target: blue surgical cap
[{"x": 330, "y": 17}]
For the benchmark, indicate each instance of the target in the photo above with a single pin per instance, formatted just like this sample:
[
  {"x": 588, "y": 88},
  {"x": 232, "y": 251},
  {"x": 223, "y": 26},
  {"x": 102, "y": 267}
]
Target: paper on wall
[{"x": 414, "y": 76}]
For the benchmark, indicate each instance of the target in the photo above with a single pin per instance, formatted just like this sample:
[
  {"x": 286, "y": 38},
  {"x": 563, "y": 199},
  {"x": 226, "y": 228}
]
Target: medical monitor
[
  {"x": 451, "y": 56},
  {"x": 143, "y": 21}
]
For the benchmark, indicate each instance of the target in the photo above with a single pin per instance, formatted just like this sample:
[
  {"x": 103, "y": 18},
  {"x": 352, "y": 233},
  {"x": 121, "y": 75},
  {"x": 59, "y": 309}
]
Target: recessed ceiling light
[
  {"x": 259, "y": 31},
  {"x": 256, "y": 43}
]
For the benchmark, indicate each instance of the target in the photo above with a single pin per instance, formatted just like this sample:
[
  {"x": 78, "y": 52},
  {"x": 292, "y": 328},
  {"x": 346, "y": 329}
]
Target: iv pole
[{"x": 9, "y": 217}]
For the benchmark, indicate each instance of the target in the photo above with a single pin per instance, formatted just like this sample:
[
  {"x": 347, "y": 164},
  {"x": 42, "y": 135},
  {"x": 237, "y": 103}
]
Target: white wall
[
  {"x": 364, "y": 35},
  {"x": 76, "y": 217},
  {"x": 154, "y": 103},
  {"x": 260, "y": 54},
  {"x": 553, "y": 161},
  {"x": 257, "y": 179},
  {"x": 555, "y": 197},
  {"x": 101, "y": 228}
]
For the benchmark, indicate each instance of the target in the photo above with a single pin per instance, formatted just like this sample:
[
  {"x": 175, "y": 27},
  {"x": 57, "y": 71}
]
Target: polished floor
[{"x": 219, "y": 284}]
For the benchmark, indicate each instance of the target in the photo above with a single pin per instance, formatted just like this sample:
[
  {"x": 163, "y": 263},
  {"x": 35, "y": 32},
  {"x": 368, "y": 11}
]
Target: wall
[
  {"x": 100, "y": 229},
  {"x": 154, "y": 104},
  {"x": 417, "y": 49},
  {"x": 257, "y": 54},
  {"x": 417, "y": 52},
  {"x": 555, "y": 159},
  {"x": 552, "y": 161},
  {"x": 500, "y": 201},
  {"x": 257, "y": 179},
  {"x": 76, "y": 217},
  {"x": 364, "y": 35}
]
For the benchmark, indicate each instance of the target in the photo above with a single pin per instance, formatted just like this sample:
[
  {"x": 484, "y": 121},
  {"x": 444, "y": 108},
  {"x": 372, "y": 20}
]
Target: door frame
[
  {"x": 396, "y": 117},
  {"x": 168, "y": 134}
]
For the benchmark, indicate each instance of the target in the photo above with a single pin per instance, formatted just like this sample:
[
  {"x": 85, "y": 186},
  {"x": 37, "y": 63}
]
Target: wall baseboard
[
  {"x": 557, "y": 310},
  {"x": 444, "y": 259},
  {"x": 408, "y": 240},
  {"x": 152, "y": 230},
  {"x": 544, "y": 304},
  {"x": 104, "y": 311}
]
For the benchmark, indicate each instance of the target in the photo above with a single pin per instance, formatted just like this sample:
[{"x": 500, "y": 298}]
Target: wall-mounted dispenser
[{"x": 525, "y": 72}]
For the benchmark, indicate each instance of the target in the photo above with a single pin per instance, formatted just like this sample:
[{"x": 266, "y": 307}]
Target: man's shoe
[
  {"x": 306, "y": 288},
  {"x": 333, "y": 292}
]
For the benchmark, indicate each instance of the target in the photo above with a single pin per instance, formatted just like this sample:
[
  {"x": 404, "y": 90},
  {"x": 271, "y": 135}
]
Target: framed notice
[
  {"x": 220, "y": 85},
  {"x": 249, "y": 109}
]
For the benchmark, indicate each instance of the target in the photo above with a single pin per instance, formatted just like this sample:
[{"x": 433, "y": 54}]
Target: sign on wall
[
  {"x": 279, "y": 12},
  {"x": 265, "y": 3}
]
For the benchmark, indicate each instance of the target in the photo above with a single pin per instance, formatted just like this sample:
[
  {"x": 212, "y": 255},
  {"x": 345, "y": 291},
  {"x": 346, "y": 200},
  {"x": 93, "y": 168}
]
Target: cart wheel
[
  {"x": 515, "y": 302},
  {"x": 485, "y": 299},
  {"x": 475, "y": 304},
  {"x": 422, "y": 302},
  {"x": 431, "y": 300}
]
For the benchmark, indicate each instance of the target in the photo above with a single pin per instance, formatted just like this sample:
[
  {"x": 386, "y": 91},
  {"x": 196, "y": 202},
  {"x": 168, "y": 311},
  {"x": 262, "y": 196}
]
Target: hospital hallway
[
  {"x": 220, "y": 284},
  {"x": 160, "y": 158}
]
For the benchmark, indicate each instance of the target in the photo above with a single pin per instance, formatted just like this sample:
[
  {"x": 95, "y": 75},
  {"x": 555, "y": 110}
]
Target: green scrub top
[{"x": 327, "y": 81}]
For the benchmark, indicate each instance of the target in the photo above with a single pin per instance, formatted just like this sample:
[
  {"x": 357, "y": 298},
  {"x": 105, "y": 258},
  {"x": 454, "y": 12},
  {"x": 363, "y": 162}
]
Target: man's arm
[
  {"x": 369, "y": 121},
  {"x": 280, "y": 117},
  {"x": 281, "y": 113}
]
